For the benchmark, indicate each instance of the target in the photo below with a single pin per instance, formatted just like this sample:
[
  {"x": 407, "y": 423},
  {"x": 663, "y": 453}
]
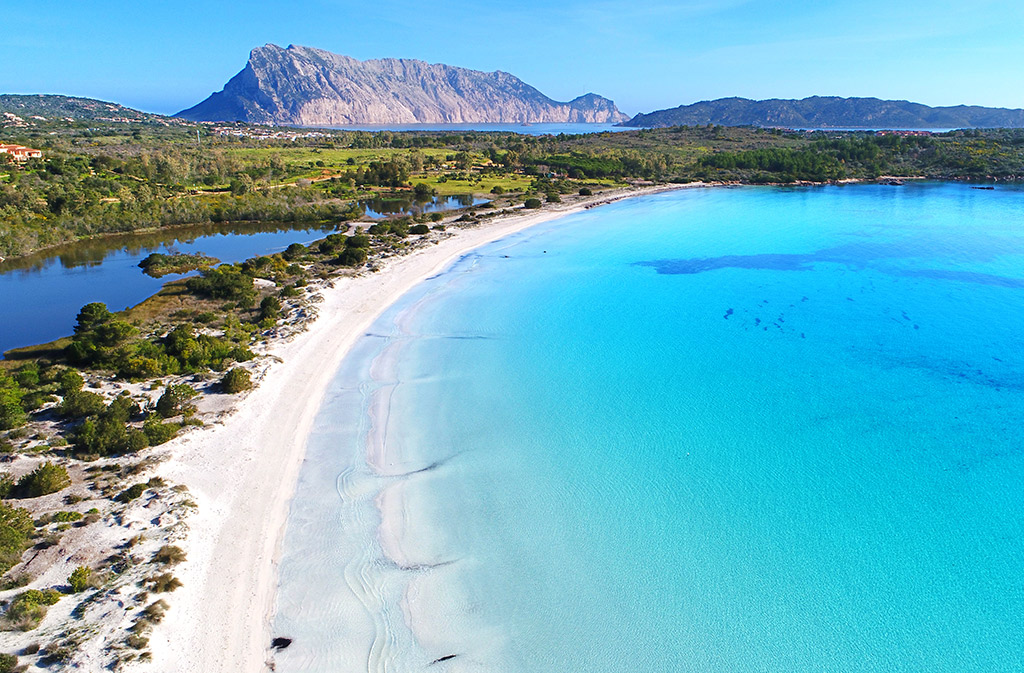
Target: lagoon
[
  {"x": 742, "y": 429},
  {"x": 41, "y": 294}
]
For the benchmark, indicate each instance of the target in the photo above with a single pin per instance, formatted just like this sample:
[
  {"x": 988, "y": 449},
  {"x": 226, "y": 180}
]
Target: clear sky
[{"x": 163, "y": 56}]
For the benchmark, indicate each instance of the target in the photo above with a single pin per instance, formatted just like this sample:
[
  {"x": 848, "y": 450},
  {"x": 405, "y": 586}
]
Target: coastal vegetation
[
  {"x": 113, "y": 178},
  {"x": 159, "y": 265}
]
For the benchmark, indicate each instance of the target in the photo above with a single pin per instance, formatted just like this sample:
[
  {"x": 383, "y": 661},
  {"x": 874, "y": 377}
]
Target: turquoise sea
[{"x": 714, "y": 430}]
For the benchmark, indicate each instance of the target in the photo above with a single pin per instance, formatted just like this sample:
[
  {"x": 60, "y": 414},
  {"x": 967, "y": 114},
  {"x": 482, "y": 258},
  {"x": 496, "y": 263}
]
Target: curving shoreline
[{"x": 242, "y": 473}]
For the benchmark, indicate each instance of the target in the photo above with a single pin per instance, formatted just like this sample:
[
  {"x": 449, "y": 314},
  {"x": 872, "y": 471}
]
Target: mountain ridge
[
  {"x": 79, "y": 108},
  {"x": 305, "y": 86},
  {"x": 830, "y": 112}
]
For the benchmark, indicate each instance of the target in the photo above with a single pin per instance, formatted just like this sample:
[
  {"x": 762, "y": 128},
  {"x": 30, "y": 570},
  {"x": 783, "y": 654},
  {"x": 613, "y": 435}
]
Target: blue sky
[{"x": 164, "y": 56}]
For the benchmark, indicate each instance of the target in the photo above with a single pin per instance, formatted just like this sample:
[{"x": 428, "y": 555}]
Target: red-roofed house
[{"x": 20, "y": 152}]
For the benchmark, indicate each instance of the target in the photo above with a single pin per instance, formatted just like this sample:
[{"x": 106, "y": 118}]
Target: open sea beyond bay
[{"x": 718, "y": 430}]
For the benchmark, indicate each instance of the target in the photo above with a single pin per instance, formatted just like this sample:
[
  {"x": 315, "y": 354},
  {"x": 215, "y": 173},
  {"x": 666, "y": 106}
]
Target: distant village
[{"x": 263, "y": 134}]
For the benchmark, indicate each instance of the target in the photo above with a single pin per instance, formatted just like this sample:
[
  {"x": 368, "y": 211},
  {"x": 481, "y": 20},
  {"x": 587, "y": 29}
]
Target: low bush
[
  {"x": 163, "y": 583},
  {"x": 169, "y": 555},
  {"x": 154, "y": 612},
  {"x": 16, "y": 527},
  {"x": 8, "y": 663},
  {"x": 236, "y": 380},
  {"x": 270, "y": 308},
  {"x": 130, "y": 493},
  {"x": 175, "y": 401},
  {"x": 81, "y": 403},
  {"x": 28, "y": 608},
  {"x": 352, "y": 257},
  {"x": 224, "y": 282},
  {"x": 159, "y": 433},
  {"x": 532, "y": 203},
  {"x": 69, "y": 381},
  {"x": 79, "y": 579},
  {"x": 45, "y": 479},
  {"x": 586, "y": 191},
  {"x": 136, "y": 642},
  {"x": 419, "y": 229}
]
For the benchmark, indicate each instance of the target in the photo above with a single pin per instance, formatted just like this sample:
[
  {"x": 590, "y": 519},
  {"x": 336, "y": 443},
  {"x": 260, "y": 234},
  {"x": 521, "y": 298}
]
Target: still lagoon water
[
  {"x": 750, "y": 429},
  {"x": 41, "y": 294}
]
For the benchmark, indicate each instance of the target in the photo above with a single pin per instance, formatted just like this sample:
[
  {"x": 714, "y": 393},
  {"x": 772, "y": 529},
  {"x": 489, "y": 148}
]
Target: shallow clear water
[{"x": 748, "y": 429}]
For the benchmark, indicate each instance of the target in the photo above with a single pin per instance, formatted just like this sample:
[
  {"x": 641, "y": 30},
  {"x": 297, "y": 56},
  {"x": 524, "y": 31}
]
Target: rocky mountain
[
  {"x": 303, "y": 86},
  {"x": 831, "y": 112}
]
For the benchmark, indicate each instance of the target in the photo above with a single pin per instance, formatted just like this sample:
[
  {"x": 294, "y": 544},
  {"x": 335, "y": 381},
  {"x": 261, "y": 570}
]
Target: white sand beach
[{"x": 242, "y": 473}]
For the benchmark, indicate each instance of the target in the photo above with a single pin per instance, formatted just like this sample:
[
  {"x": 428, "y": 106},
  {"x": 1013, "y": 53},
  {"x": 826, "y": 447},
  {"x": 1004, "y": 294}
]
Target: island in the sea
[{"x": 304, "y": 86}]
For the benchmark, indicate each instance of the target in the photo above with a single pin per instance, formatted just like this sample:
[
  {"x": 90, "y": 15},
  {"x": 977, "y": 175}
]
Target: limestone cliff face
[{"x": 303, "y": 86}]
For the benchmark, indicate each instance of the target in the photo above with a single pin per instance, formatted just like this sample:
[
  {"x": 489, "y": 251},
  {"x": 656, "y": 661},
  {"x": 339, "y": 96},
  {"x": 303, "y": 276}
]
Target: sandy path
[{"x": 242, "y": 473}]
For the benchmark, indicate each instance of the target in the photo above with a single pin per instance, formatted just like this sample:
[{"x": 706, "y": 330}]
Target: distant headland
[{"x": 830, "y": 112}]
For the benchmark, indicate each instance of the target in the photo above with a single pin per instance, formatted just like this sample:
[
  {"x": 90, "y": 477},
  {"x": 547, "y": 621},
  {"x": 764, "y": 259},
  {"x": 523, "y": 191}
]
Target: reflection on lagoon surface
[
  {"x": 41, "y": 294},
  {"x": 93, "y": 251},
  {"x": 403, "y": 204}
]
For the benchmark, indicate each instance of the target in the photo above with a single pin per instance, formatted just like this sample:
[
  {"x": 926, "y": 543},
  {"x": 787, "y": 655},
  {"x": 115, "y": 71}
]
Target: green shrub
[
  {"x": 79, "y": 579},
  {"x": 357, "y": 241},
  {"x": 91, "y": 316},
  {"x": 67, "y": 517},
  {"x": 158, "y": 433},
  {"x": 16, "y": 526},
  {"x": 236, "y": 381},
  {"x": 497, "y": 189},
  {"x": 294, "y": 251},
  {"x": 586, "y": 191},
  {"x": 131, "y": 493},
  {"x": 419, "y": 229},
  {"x": 223, "y": 282},
  {"x": 81, "y": 403},
  {"x": 553, "y": 197},
  {"x": 27, "y": 375},
  {"x": 29, "y": 607},
  {"x": 12, "y": 414},
  {"x": 7, "y": 484},
  {"x": 36, "y": 400},
  {"x": 175, "y": 401},
  {"x": 45, "y": 479},
  {"x": 98, "y": 333},
  {"x": 270, "y": 308},
  {"x": 352, "y": 257},
  {"x": 532, "y": 203},
  {"x": 8, "y": 663}
]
